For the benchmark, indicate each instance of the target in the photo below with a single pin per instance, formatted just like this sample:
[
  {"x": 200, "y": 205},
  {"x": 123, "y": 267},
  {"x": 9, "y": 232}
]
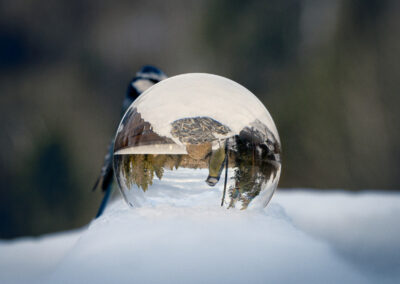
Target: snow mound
[{"x": 301, "y": 237}]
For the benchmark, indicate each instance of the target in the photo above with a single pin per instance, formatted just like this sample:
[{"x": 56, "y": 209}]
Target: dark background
[{"x": 327, "y": 70}]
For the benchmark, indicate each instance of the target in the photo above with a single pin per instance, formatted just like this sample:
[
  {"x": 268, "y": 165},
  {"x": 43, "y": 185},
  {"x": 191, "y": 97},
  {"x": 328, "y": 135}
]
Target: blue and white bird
[{"x": 144, "y": 79}]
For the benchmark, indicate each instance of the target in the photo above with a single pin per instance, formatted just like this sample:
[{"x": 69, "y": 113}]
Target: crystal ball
[{"x": 197, "y": 140}]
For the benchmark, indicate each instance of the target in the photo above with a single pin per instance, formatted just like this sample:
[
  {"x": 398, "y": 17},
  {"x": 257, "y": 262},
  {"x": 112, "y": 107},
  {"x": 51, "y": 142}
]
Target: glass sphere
[{"x": 197, "y": 140}]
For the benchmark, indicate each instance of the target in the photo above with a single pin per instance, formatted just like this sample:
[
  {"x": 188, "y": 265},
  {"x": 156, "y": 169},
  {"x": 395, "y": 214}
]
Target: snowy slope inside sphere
[{"x": 201, "y": 95}]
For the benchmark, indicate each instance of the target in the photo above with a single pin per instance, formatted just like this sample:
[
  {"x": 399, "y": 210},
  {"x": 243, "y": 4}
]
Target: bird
[{"x": 145, "y": 78}]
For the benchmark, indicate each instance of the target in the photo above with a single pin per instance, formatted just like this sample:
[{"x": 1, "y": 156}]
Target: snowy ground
[{"x": 303, "y": 236}]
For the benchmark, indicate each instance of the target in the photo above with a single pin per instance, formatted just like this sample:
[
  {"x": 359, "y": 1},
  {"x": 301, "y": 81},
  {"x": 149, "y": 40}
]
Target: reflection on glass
[{"x": 214, "y": 159}]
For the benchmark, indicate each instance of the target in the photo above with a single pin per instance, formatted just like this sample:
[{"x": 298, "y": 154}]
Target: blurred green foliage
[{"x": 328, "y": 71}]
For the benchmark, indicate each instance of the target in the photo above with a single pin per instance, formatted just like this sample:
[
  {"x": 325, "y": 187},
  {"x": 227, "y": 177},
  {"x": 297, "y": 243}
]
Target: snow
[
  {"x": 186, "y": 188},
  {"x": 303, "y": 236},
  {"x": 155, "y": 149},
  {"x": 203, "y": 95},
  {"x": 26, "y": 259}
]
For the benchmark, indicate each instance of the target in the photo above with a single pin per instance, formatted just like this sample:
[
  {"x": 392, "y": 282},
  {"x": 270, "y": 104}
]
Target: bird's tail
[{"x": 104, "y": 201}]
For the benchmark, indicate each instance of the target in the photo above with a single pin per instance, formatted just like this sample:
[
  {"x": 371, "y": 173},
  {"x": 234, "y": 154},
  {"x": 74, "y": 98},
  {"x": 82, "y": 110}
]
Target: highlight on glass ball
[{"x": 197, "y": 140}]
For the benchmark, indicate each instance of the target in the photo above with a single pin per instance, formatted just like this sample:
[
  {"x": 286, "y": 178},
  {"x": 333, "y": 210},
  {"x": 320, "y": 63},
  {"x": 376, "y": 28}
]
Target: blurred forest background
[{"x": 327, "y": 70}]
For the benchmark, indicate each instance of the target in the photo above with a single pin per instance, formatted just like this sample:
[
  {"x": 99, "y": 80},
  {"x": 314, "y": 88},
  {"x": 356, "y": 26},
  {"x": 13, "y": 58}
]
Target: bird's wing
[
  {"x": 107, "y": 172},
  {"x": 145, "y": 78}
]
